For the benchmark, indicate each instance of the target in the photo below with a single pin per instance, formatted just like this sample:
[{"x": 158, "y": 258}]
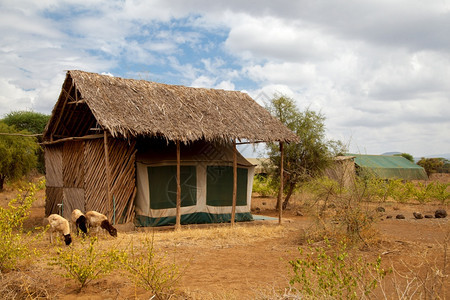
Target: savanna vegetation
[{"x": 335, "y": 242}]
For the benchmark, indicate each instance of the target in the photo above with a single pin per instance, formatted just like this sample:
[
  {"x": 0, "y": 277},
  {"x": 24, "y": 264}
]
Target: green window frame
[
  {"x": 162, "y": 182},
  {"x": 219, "y": 186}
]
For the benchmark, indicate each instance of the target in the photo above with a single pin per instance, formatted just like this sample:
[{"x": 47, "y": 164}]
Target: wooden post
[
  {"x": 233, "y": 207},
  {"x": 178, "y": 214},
  {"x": 280, "y": 192},
  {"x": 108, "y": 177}
]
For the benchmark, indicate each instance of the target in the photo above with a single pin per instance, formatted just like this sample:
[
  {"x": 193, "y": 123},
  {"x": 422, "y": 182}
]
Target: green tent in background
[{"x": 386, "y": 166}]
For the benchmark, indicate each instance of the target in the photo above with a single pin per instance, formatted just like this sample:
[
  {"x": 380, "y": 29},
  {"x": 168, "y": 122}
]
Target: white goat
[
  {"x": 79, "y": 220},
  {"x": 96, "y": 220},
  {"x": 59, "y": 224}
]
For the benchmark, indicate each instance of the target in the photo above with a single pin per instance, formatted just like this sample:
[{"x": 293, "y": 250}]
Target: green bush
[
  {"x": 381, "y": 188},
  {"x": 422, "y": 192},
  {"x": 332, "y": 273},
  {"x": 263, "y": 186},
  {"x": 401, "y": 191},
  {"x": 86, "y": 262},
  {"x": 439, "y": 192},
  {"x": 13, "y": 248},
  {"x": 149, "y": 271}
]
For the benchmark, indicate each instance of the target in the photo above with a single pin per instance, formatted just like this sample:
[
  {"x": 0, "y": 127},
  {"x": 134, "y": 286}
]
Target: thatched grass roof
[{"x": 128, "y": 107}]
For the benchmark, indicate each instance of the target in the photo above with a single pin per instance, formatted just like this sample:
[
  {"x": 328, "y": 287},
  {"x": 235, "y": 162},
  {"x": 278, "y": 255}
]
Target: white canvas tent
[{"x": 206, "y": 183}]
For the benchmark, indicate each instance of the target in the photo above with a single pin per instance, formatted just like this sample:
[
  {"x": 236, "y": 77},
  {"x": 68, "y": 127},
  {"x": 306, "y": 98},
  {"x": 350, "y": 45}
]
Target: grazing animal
[
  {"x": 96, "y": 220},
  {"x": 59, "y": 224},
  {"x": 79, "y": 219}
]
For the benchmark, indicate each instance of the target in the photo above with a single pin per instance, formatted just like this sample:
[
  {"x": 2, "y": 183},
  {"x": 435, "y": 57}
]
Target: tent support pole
[
  {"x": 178, "y": 215},
  {"x": 108, "y": 177},
  {"x": 280, "y": 192},
  {"x": 233, "y": 208}
]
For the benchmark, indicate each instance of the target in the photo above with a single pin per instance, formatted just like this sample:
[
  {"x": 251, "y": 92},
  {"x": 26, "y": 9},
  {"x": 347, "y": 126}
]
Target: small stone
[
  {"x": 389, "y": 217},
  {"x": 400, "y": 217},
  {"x": 428, "y": 217},
  {"x": 264, "y": 203},
  {"x": 440, "y": 213},
  {"x": 396, "y": 208},
  {"x": 380, "y": 209},
  {"x": 417, "y": 215}
]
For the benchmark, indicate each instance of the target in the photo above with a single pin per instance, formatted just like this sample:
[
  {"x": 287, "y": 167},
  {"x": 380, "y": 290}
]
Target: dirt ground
[{"x": 247, "y": 262}]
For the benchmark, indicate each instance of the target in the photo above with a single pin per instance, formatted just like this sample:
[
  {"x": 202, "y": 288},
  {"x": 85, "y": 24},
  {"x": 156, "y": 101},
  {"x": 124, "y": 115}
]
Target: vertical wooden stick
[
  {"x": 178, "y": 215},
  {"x": 233, "y": 207},
  {"x": 108, "y": 177},
  {"x": 280, "y": 193}
]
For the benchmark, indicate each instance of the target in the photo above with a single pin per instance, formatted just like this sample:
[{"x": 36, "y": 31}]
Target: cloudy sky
[{"x": 378, "y": 70}]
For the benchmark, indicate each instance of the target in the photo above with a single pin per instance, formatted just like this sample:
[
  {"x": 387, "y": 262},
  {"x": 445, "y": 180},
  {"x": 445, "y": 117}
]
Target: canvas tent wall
[
  {"x": 206, "y": 183},
  {"x": 91, "y": 136},
  {"x": 342, "y": 170},
  {"x": 385, "y": 166}
]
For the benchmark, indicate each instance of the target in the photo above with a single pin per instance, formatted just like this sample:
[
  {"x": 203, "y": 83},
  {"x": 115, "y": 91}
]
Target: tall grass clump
[{"x": 13, "y": 246}]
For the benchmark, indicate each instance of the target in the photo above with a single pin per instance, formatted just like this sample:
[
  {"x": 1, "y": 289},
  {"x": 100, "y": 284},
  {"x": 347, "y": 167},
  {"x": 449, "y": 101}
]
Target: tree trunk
[
  {"x": 2, "y": 181},
  {"x": 288, "y": 195}
]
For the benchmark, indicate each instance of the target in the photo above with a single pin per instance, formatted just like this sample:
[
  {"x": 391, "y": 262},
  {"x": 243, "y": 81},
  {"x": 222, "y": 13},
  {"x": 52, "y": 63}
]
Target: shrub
[
  {"x": 12, "y": 245},
  {"x": 263, "y": 186},
  {"x": 353, "y": 216},
  {"x": 149, "y": 271},
  {"x": 439, "y": 192},
  {"x": 331, "y": 272},
  {"x": 422, "y": 192},
  {"x": 325, "y": 190},
  {"x": 86, "y": 262},
  {"x": 381, "y": 188},
  {"x": 401, "y": 192}
]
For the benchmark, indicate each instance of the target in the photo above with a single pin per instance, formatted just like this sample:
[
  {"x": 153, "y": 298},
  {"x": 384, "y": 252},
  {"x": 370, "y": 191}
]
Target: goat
[
  {"x": 79, "y": 219},
  {"x": 96, "y": 220},
  {"x": 59, "y": 224}
]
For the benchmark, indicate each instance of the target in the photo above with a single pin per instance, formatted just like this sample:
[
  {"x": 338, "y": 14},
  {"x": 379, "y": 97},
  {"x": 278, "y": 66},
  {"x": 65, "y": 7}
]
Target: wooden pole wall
[
  {"x": 178, "y": 214},
  {"x": 280, "y": 193},
  {"x": 233, "y": 207},
  {"x": 107, "y": 171}
]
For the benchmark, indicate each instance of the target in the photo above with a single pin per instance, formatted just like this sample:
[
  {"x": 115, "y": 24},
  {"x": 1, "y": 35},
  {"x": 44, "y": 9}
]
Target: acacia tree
[
  {"x": 308, "y": 158},
  {"x": 407, "y": 156},
  {"x": 17, "y": 154},
  {"x": 431, "y": 165},
  {"x": 33, "y": 122}
]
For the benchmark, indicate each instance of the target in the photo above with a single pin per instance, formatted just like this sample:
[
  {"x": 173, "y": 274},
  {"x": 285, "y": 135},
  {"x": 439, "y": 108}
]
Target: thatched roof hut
[
  {"x": 128, "y": 107},
  {"x": 101, "y": 126}
]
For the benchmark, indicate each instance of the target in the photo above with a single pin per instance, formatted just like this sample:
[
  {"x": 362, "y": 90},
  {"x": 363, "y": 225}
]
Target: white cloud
[
  {"x": 378, "y": 70},
  {"x": 225, "y": 85}
]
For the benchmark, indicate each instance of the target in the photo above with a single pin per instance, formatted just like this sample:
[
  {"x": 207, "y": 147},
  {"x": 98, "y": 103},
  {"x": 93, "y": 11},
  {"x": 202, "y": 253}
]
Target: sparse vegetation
[
  {"x": 86, "y": 261},
  {"x": 331, "y": 272},
  {"x": 150, "y": 271},
  {"x": 13, "y": 247},
  {"x": 345, "y": 212}
]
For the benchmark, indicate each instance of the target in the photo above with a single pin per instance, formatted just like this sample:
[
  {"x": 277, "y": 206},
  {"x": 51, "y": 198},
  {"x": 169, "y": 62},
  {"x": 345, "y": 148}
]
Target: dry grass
[
  {"x": 21, "y": 285},
  {"x": 215, "y": 236}
]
